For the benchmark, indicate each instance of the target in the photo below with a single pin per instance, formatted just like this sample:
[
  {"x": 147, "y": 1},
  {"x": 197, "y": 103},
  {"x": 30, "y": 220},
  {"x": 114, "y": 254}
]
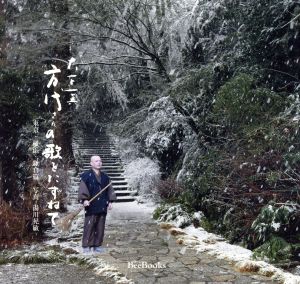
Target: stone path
[
  {"x": 132, "y": 238},
  {"x": 138, "y": 248},
  {"x": 49, "y": 274}
]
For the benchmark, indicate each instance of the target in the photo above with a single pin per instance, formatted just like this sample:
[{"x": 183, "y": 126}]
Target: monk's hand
[
  {"x": 86, "y": 203},
  {"x": 109, "y": 205}
]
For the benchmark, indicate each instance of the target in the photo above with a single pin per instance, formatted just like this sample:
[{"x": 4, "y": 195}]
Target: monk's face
[{"x": 96, "y": 162}]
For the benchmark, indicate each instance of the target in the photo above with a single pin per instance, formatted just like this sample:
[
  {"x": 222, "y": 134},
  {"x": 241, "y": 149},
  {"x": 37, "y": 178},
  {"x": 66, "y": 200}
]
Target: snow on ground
[
  {"x": 215, "y": 245},
  {"x": 218, "y": 245},
  {"x": 131, "y": 210}
]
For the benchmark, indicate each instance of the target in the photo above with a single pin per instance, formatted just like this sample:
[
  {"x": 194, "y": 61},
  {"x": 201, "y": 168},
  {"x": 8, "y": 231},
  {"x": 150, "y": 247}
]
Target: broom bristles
[{"x": 64, "y": 224}]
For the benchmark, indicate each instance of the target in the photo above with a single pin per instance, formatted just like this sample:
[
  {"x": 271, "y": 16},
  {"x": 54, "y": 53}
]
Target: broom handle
[{"x": 100, "y": 192}]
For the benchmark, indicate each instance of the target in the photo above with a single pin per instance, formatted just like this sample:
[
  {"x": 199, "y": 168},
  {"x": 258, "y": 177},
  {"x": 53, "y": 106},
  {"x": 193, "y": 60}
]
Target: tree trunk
[
  {"x": 2, "y": 64},
  {"x": 3, "y": 41},
  {"x": 1, "y": 183},
  {"x": 63, "y": 118}
]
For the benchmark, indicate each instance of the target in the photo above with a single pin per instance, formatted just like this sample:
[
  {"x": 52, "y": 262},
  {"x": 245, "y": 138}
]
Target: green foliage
[
  {"x": 272, "y": 177},
  {"x": 270, "y": 30},
  {"x": 173, "y": 213},
  {"x": 202, "y": 178},
  {"x": 271, "y": 219},
  {"x": 292, "y": 159},
  {"x": 158, "y": 211},
  {"x": 29, "y": 257},
  {"x": 192, "y": 87},
  {"x": 239, "y": 103},
  {"x": 194, "y": 94},
  {"x": 208, "y": 225},
  {"x": 19, "y": 97},
  {"x": 276, "y": 249}
]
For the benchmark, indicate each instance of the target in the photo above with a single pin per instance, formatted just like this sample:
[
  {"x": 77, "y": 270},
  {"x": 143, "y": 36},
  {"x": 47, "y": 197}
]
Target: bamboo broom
[{"x": 64, "y": 224}]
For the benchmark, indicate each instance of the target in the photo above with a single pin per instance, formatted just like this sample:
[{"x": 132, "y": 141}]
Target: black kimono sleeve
[{"x": 83, "y": 192}]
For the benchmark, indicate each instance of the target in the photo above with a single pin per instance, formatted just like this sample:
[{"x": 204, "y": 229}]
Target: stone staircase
[{"x": 98, "y": 143}]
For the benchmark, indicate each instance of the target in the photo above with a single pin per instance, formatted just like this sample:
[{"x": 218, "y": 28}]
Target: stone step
[
  {"x": 115, "y": 187},
  {"x": 97, "y": 152},
  {"x": 115, "y": 179},
  {"x": 109, "y": 172},
  {"x": 74, "y": 194},
  {"x": 109, "y": 161},
  {"x": 89, "y": 138},
  {"x": 118, "y": 178},
  {"x": 88, "y": 156},
  {"x": 88, "y": 142},
  {"x": 114, "y": 182},
  {"x": 120, "y": 198},
  {"x": 105, "y": 167},
  {"x": 105, "y": 147},
  {"x": 125, "y": 192},
  {"x": 96, "y": 148},
  {"x": 92, "y": 139},
  {"x": 97, "y": 145},
  {"x": 105, "y": 164},
  {"x": 119, "y": 182},
  {"x": 125, "y": 199},
  {"x": 120, "y": 187},
  {"x": 87, "y": 162},
  {"x": 113, "y": 161},
  {"x": 113, "y": 175},
  {"x": 104, "y": 159},
  {"x": 106, "y": 156},
  {"x": 103, "y": 150}
]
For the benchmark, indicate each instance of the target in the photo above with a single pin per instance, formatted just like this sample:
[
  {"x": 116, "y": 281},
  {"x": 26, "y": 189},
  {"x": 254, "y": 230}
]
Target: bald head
[{"x": 96, "y": 162}]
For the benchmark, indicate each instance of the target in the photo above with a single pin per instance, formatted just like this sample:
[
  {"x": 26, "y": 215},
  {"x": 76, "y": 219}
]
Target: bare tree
[
  {"x": 2, "y": 64},
  {"x": 116, "y": 26}
]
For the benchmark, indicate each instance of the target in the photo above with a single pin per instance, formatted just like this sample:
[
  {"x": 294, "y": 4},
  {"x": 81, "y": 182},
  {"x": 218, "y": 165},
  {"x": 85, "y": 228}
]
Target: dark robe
[{"x": 90, "y": 185}]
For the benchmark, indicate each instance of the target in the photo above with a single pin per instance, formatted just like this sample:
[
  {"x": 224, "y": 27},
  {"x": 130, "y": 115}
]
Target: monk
[{"x": 92, "y": 181}]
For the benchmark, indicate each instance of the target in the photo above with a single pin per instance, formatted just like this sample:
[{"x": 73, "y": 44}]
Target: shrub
[
  {"x": 173, "y": 213},
  {"x": 272, "y": 220},
  {"x": 168, "y": 189},
  {"x": 12, "y": 224},
  {"x": 240, "y": 103},
  {"x": 276, "y": 249}
]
